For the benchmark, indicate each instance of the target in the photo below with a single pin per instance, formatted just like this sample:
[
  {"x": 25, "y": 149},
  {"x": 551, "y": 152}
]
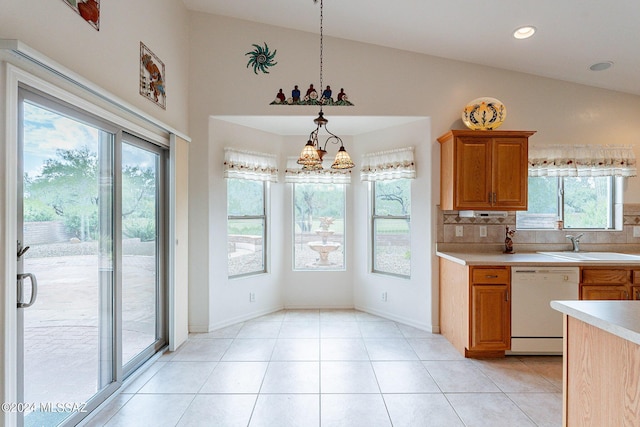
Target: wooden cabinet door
[
  {"x": 472, "y": 173},
  {"x": 605, "y": 283},
  {"x": 490, "y": 317},
  {"x": 635, "y": 292},
  {"x": 509, "y": 173},
  {"x": 603, "y": 292}
]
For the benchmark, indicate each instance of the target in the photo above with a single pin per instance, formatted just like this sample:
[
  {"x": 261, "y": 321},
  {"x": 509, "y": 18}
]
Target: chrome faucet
[{"x": 575, "y": 241}]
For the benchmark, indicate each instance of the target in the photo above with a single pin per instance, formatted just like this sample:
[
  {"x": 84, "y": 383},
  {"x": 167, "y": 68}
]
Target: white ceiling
[{"x": 572, "y": 34}]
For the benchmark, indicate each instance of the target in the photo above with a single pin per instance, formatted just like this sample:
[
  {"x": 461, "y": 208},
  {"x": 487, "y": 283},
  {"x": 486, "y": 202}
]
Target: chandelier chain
[{"x": 321, "y": 43}]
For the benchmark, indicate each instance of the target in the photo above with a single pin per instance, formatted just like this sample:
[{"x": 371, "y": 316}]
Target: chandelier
[{"x": 312, "y": 153}]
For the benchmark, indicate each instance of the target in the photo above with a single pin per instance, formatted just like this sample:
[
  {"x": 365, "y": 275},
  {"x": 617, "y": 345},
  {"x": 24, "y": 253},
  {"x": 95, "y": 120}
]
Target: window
[
  {"x": 391, "y": 227},
  {"x": 579, "y": 202},
  {"x": 246, "y": 226},
  {"x": 319, "y": 226}
]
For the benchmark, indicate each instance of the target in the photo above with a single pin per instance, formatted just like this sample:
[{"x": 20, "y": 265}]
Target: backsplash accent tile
[{"x": 448, "y": 220}]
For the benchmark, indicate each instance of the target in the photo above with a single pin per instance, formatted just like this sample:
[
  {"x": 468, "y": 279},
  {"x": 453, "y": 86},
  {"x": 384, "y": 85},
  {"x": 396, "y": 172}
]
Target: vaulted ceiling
[{"x": 571, "y": 35}]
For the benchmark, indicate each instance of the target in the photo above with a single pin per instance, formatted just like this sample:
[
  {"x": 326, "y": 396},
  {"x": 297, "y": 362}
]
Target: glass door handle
[{"x": 34, "y": 289}]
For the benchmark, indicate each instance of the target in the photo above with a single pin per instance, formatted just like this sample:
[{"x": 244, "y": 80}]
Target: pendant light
[{"x": 312, "y": 153}]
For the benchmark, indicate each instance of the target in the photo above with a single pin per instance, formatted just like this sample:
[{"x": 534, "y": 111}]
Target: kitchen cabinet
[
  {"x": 485, "y": 170},
  {"x": 606, "y": 283},
  {"x": 475, "y": 308}
]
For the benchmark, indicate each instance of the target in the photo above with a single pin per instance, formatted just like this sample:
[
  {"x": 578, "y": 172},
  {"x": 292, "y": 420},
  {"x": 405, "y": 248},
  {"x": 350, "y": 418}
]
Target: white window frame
[
  {"x": 375, "y": 218},
  {"x": 614, "y": 217},
  {"x": 263, "y": 217}
]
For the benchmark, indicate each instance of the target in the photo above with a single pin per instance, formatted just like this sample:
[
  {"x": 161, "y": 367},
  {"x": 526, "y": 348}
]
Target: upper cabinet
[{"x": 484, "y": 170}]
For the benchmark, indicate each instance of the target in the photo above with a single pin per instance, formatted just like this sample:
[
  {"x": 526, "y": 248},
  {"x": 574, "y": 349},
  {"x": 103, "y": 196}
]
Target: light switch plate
[
  {"x": 483, "y": 231},
  {"x": 636, "y": 231},
  {"x": 459, "y": 231}
]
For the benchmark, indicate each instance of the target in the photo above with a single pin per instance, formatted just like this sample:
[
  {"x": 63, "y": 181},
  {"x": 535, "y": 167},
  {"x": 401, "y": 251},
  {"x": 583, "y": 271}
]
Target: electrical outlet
[
  {"x": 252, "y": 297},
  {"x": 483, "y": 231},
  {"x": 384, "y": 296},
  {"x": 636, "y": 231},
  {"x": 459, "y": 231}
]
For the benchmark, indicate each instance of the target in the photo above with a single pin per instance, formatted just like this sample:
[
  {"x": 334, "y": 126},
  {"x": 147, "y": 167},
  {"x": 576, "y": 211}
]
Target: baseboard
[
  {"x": 401, "y": 319},
  {"x": 241, "y": 318}
]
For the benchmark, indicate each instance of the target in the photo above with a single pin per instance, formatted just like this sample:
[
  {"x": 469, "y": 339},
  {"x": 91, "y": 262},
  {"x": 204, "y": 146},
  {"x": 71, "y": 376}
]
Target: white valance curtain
[
  {"x": 582, "y": 160},
  {"x": 391, "y": 164},
  {"x": 250, "y": 165},
  {"x": 326, "y": 175}
]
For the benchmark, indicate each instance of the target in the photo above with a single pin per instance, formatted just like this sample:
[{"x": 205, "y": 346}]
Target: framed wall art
[
  {"x": 89, "y": 10},
  {"x": 152, "y": 82}
]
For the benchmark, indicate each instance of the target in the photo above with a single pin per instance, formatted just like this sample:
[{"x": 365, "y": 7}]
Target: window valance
[
  {"x": 391, "y": 164},
  {"x": 582, "y": 160},
  {"x": 326, "y": 175},
  {"x": 250, "y": 165}
]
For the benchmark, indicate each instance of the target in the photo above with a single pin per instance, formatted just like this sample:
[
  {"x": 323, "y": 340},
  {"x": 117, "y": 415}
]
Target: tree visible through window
[
  {"x": 391, "y": 227},
  {"x": 580, "y": 202},
  {"x": 319, "y": 226},
  {"x": 246, "y": 227}
]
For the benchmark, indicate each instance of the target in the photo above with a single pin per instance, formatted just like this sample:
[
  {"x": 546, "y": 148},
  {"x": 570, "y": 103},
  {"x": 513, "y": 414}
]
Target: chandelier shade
[{"x": 312, "y": 153}]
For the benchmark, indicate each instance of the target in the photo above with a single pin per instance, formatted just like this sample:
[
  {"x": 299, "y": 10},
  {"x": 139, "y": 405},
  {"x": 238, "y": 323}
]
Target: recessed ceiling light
[
  {"x": 524, "y": 32},
  {"x": 601, "y": 66}
]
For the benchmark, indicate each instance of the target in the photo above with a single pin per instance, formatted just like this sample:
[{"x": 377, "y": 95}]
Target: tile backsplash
[{"x": 612, "y": 240}]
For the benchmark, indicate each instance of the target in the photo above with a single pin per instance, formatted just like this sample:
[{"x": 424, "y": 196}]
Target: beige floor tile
[
  {"x": 202, "y": 350},
  {"x": 346, "y": 315},
  {"x": 339, "y": 329},
  {"x": 228, "y": 332},
  {"x": 353, "y": 410},
  {"x": 453, "y": 376},
  {"x": 300, "y": 329},
  {"x": 545, "y": 409},
  {"x": 228, "y": 410},
  {"x": 260, "y": 330},
  {"x": 348, "y": 377},
  {"x": 235, "y": 377},
  {"x": 411, "y": 332},
  {"x": 158, "y": 410},
  {"x": 404, "y": 377},
  {"x": 292, "y": 377},
  {"x": 434, "y": 349},
  {"x": 343, "y": 349},
  {"x": 384, "y": 329},
  {"x": 249, "y": 350},
  {"x": 109, "y": 410},
  {"x": 286, "y": 410},
  {"x": 389, "y": 349},
  {"x": 135, "y": 384},
  {"x": 511, "y": 375},
  {"x": 421, "y": 410},
  {"x": 296, "y": 349},
  {"x": 488, "y": 409},
  {"x": 179, "y": 377},
  {"x": 301, "y": 315}
]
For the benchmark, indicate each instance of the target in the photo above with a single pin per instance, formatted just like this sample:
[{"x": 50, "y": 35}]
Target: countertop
[
  {"x": 620, "y": 318},
  {"x": 521, "y": 258}
]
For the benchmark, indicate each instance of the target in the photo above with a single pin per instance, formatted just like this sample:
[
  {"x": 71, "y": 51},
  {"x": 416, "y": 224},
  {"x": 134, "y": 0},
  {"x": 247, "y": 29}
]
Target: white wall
[
  {"x": 408, "y": 300},
  {"x": 110, "y": 57},
  {"x": 214, "y": 299},
  {"x": 381, "y": 82}
]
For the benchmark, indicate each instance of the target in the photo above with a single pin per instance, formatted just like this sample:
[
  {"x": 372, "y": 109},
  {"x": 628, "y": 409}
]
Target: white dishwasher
[{"x": 536, "y": 328}]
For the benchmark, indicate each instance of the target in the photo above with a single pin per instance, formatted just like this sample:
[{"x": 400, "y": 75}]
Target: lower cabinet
[
  {"x": 475, "y": 308},
  {"x": 491, "y": 317},
  {"x": 608, "y": 283}
]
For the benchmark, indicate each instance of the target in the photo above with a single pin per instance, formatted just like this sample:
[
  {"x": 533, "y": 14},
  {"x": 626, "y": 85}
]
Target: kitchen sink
[{"x": 592, "y": 256}]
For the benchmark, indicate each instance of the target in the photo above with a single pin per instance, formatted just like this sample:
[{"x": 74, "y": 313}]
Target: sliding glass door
[{"x": 90, "y": 258}]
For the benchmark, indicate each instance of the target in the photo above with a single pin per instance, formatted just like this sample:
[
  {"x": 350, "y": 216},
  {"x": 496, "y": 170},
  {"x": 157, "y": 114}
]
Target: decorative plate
[{"x": 484, "y": 114}]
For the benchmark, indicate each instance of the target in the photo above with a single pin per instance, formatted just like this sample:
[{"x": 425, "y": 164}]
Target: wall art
[
  {"x": 261, "y": 59},
  {"x": 88, "y": 9},
  {"x": 152, "y": 76}
]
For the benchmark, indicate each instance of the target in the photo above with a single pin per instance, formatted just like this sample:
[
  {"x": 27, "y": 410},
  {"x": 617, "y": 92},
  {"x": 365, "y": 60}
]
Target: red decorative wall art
[{"x": 88, "y": 9}]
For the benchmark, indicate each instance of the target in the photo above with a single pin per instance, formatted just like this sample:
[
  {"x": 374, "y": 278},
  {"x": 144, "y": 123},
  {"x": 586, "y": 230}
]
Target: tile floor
[{"x": 342, "y": 368}]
